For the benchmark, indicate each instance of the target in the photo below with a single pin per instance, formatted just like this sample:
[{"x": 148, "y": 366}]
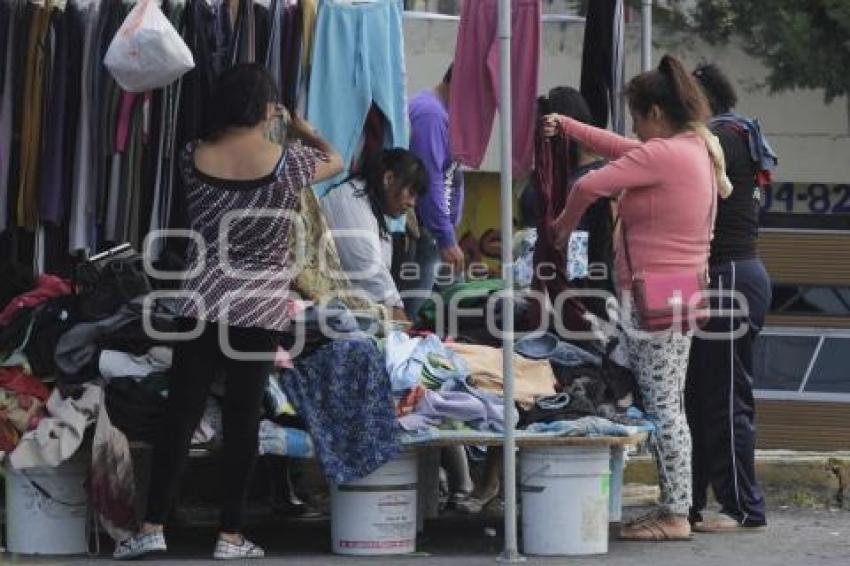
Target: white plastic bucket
[
  {"x": 376, "y": 515},
  {"x": 565, "y": 492},
  {"x": 46, "y": 509}
]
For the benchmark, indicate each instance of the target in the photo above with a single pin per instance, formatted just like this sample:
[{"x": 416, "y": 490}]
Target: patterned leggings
[{"x": 660, "y": 363}]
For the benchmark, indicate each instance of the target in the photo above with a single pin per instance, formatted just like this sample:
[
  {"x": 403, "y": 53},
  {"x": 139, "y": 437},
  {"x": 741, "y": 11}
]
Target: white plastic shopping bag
[{"x": 147, "y": 52}]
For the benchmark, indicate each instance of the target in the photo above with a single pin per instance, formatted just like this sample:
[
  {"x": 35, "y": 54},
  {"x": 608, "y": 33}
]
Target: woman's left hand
[{"x": 551, "y": 125}]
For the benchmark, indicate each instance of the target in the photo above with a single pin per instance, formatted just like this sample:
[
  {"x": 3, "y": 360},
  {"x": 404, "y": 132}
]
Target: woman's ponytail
[{"x": 686, "y": 90}]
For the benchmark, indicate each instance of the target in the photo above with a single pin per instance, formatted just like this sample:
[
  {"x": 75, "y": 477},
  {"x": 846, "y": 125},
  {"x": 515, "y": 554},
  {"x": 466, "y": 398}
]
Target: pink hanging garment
[{"x": 475, "y": 81}]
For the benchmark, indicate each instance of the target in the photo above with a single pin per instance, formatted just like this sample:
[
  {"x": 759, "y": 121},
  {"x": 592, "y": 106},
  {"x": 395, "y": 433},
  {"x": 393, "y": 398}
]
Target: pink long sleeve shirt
[{"x": 665, "y": 188}]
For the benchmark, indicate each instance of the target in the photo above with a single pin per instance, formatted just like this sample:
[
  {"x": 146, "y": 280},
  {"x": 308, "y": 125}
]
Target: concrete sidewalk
[
  {"x": 794, "y": 537},
  {"x": 788, "y": 477}
]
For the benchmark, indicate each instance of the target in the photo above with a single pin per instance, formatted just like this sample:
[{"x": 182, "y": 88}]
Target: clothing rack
[{"x": 436, "y": 17}]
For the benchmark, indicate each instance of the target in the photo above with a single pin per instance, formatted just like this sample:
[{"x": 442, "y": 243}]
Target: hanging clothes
[
  {"x": 37, "y": 62},
  {"x": 551, "y": 178},
  {"x": 292, "y": 55},
  {"x": 83, "y": 197},
  {"x": 13, "y": 14},
  {"x": 273, "y": 50},
  {"x": 602, "y": 69},
  {"x": 244, "y": 34},
  {"x": 475, "y": 81},
  {"x": 51, "y": 185},
  {"x": 358, "y": 51},
  {"x": 309, "y": 14}
]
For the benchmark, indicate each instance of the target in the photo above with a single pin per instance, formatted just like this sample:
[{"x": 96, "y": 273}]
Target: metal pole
[
  {"x": 646, "y": 36},
  {"x": 511, "y": 552}
]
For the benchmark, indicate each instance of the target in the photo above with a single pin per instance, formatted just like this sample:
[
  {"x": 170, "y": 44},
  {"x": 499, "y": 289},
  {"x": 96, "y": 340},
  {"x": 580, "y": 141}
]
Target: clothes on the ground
[
  {"x": 18, "y": 278},
  {"x": 719, "y": 395},
  {"x": 475, "y": 81},
  {"x": 275, "y": 402},
  {"x": 660, "y": 364},
  {"x": 210, "y": 430},
  {"x": 532, "y": 378},
  {"x": 736, "y": 228},
  {"x": 19, "y": 414},
  {"x": 343, "y": 392},
  {"x": 440, "y": 209},
  {"x": 666, "y": 187},
  {"x": 46, "y": 323},
  {"x": 77, "y": 349},
  {"x": 22, "y": 401},
  {"x": 135, "y": 408},
  {"x": 59, "y": 435},
  {"x": 49, "y": 286},
  {"x": 15, "y": 379},
  {"x": 278, "y": 440},
  {"x": 112, "y": 484},
  {"x": 245, "y": 284},
  {"x": 359, "y": 51},
  {"x": 113, "y": 363},
  {"x": 364, "y": 250},
  {"x": 196, "y": 363}
]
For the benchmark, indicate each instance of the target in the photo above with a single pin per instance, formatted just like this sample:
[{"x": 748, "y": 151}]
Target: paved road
[{"x": 804, "y": 537}]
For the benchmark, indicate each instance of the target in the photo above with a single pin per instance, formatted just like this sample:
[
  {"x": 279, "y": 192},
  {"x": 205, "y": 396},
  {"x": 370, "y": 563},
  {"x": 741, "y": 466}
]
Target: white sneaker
[
  {"x": 139, "y": 545},
  {"x": 228, "y": 551}
]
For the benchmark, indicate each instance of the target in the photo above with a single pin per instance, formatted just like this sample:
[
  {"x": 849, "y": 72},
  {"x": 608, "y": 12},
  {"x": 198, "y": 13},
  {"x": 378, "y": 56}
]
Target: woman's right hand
[
  {"x": 551, "y": 125},
  {"x": 300, "y": 126}
]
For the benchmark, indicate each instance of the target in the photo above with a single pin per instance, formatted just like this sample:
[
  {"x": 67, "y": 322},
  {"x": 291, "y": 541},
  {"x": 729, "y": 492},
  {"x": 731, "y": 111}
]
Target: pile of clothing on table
[
  {"x": 457, "y": 386},
  {"x": 594, "y": 395}
]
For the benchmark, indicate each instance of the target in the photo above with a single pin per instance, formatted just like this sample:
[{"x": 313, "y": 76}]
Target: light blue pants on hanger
[{"x": 358, "y": 59}]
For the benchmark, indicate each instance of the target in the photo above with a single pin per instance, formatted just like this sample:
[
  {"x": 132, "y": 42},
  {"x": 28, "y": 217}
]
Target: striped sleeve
[{"x": 300, "y": 164}]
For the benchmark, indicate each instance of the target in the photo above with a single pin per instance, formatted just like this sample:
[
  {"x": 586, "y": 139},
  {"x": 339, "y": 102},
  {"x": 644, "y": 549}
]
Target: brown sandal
[
  {"x": 657, "y": 527},
  {"x": 723, "y": 524}
]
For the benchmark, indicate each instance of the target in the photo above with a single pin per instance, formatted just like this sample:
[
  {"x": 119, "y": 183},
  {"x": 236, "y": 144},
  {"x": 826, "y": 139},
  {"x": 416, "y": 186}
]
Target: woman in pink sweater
[{"x": 665, "y": 182}]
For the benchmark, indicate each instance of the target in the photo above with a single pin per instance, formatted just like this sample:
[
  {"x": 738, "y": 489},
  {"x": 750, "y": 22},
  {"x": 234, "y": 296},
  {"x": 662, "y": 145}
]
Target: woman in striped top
[{"x": 242, "y": 191}]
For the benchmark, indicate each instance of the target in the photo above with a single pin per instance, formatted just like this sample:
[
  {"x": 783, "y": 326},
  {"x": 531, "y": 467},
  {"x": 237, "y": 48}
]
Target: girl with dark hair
[
  {"x": 666, "y": 182},
  {"x": 356, "y": 211},
  {"x": 241, "y": 189},
  {"x": 719, "y": 392}
]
